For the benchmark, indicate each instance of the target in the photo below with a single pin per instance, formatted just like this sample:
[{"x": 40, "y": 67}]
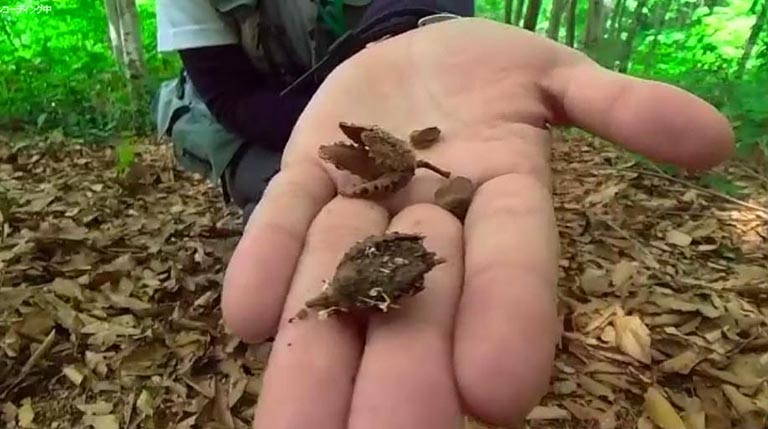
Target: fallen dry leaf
[
  {"x": 595, "y": 388},
  {"x": 681, "y": 363},
  {"x": 26, "y": 414},
  {"x": 548, "y": 413},
  {"x": 622, "y": 274},
  {"x": 595, "y": 282},
  {"x": 678, "y": 238},
  {"x": 128, "y": 277},
  {"x": 633, "y": 337},
  {"x": 107, "y": 421},
  {"x": 742, "y": 404},
  {"x": 661, "y": 411}
]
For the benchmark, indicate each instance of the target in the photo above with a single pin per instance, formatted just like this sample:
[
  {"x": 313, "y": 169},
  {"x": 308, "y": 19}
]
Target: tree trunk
[
  {"x": 616, "y": 19},
  {"x": 631, "y": 33},
  {"x": 519, "y": 7},
  {"x": 125, "y": 37},
  {"x": 115, "y": 31},
  {"x": 570, "y": 23},
  {"x": 131, "y": 34},
  {"x": 555, "y": 16},
  {"x": 713, "y": 3},
  {"x": 660, "y": 18},
  {"x": 532, "y": 15},
  {"x": 508, "y": 11},
  {"x": 685, "y": 11},
  {"x": 594, "y": 25},
  {"x": 752, "y": 40}
]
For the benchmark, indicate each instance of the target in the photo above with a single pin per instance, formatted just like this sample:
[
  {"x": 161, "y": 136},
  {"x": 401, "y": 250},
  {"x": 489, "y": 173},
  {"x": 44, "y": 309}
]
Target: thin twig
[
  {"x": 38, "y": 354},
  {"x": 32, "y": 361},
  {"x": 429, "y": 166},
  {"x": 755, "y": 174},
  {"x": 637, "y": 244},
  {"x": 701, "y": 189}
]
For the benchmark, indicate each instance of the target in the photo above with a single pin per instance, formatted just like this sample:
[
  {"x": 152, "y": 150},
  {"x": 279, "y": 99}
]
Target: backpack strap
[{"x": 388, "y": 24}]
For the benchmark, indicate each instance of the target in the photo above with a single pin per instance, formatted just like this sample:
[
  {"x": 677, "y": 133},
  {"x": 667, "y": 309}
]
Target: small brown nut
[
  {"x": 375, "y": 274},
  {"x": 455, "y": 196},
  {"x": 385, "y": 162},
  {"x": 424, "y": 138}
]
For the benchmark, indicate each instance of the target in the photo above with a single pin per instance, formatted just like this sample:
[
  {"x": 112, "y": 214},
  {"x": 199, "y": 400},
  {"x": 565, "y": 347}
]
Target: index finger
[
  {"x": 655, "y": 119},
  {"x": 261, "y": 268}
]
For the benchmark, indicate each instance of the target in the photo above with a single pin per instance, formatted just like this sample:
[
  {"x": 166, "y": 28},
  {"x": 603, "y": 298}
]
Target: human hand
[{"x": 481, "y": 338}]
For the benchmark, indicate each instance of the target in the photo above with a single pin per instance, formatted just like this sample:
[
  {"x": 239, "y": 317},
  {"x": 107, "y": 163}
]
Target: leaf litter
[
  {"x": 109, "y": 291},
  {"x": 664, "y": 298}
]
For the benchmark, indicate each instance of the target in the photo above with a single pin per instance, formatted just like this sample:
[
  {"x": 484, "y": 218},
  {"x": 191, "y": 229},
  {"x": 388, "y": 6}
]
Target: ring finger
[{"x": 406, "y": 376}]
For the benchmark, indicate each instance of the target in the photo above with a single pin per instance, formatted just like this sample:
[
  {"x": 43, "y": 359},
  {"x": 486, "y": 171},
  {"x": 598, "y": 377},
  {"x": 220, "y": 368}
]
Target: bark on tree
[
  {"x": 125, "y": 36},
  {"x": 713, "y": 3},
  {"x": 570, "y": 23},
  {"x": 555, "y": 16},
  {"x": 115, "y": 33},
  {"x": 519, "y": 7},
  {"x": 757, "y": 28},
  {"x": 685, "y": 12},
  {"x": 616, "y": 19},
  {"x": 631, "y": 33},
  {"x": 660, "y": 17},
  {"x": 134, "y": 54},
  {"x": 508, "y": 11},
  {"x": 532, "y": 15},
  {"x": 594, "y": 25}
]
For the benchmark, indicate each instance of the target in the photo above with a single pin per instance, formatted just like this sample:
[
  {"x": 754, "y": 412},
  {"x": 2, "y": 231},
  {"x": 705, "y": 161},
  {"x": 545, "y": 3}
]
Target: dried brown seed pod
[
  {"x": 456, "y": 196},
  {"x": 425, "y": 137},
  {"x": 385, "y": 162},
  {"x": 376, "y": 273}
]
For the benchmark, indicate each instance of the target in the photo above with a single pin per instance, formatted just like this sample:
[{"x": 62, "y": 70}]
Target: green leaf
[{"x": 721, "y": 183}]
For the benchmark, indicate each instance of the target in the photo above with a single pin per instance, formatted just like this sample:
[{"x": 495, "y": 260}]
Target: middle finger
[
  {"x": 311, "y": 370},
  {"x": 406, "y": 376}
]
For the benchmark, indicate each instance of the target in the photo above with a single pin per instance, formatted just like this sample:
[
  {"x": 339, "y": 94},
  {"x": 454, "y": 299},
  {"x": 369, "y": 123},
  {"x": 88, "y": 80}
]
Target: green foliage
[
  {"x": 57, "y": 69},
  {"x": 703, "y": 56},
  {"x": 723, "y": 184},
  {"x": 125, "y": 155},
  {"x": 697, "y": 48}
]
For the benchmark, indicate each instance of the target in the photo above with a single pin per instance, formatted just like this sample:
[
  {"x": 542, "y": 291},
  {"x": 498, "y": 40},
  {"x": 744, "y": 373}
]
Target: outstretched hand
[{"x": 481, "y": 338}]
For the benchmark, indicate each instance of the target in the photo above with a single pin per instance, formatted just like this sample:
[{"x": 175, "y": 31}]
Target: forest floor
[{"x": 109, "y": 292}]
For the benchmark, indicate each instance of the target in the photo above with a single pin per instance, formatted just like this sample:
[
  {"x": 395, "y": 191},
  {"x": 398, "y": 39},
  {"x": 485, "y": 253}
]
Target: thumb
[{"x": 657, "y": 120}]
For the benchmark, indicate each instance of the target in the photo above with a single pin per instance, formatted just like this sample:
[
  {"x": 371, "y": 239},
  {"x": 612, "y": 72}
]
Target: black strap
[
  {"x": 387, "y": 24},
  {"x": 182, "y": 110}
]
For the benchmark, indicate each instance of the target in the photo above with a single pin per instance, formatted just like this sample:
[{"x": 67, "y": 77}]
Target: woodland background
[
  {"x": 111, "y": 258},
  {"x": 88, "y": 70}
]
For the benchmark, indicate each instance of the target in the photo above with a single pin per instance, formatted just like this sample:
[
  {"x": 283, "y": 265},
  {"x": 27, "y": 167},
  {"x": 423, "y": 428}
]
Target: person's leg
[{"x": 248, "y": 174}]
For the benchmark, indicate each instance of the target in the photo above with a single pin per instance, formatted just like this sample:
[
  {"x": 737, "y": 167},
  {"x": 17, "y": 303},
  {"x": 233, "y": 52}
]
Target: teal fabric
[
  {"x": 200, "y": 143},
  {"x": 227, "y": 5}
]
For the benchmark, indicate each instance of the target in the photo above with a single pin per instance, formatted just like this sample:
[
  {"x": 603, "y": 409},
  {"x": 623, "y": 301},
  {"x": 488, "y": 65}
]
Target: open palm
[{"x": 481, "y": 338}]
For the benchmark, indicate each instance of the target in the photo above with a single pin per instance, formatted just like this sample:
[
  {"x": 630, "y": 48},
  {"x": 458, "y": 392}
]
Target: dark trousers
[{"x": 248, "y": 174}]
